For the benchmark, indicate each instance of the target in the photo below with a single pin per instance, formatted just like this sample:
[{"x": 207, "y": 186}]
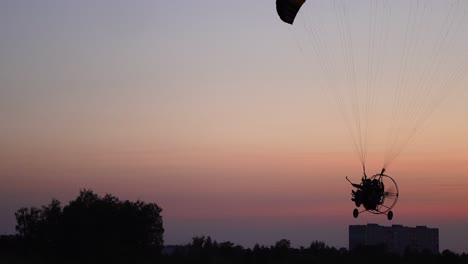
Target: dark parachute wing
[{"x": 287, "y": 9}]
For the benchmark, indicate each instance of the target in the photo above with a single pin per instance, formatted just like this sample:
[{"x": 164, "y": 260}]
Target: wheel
[
  {"x": 389, "y": 215},
  {"x": 355, "y": 213}
]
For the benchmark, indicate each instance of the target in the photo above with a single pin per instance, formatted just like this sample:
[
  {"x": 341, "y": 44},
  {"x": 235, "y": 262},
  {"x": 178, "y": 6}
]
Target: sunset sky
[{"x": 215, "y": 111}]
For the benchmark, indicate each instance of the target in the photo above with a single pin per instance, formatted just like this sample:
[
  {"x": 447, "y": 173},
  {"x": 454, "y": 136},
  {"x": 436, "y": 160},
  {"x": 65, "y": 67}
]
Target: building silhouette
[{"x": 396, "y": 238}]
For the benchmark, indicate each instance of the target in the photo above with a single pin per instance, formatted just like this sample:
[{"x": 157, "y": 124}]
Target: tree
[
  {"x": 28, "y": 222},
  {"x": 92, "y": 226},
  {"x": 283, "y": 244},
  {"x": 281, "y": 249}
]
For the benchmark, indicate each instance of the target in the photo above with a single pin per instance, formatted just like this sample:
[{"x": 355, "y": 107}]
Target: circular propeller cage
[{"x": 390, "y": 196}]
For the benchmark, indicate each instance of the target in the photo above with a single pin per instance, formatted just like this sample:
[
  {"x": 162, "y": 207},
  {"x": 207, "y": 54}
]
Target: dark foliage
[
  {"x": 94, "y": 229},
  {"x": 91, "y": 229},
  {"x": 205, "y": 250}
]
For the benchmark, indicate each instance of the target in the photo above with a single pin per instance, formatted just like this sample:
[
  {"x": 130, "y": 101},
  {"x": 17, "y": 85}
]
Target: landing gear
[
  {"x": 389, "y": 215},
  {"x": 355, "y": 213}
]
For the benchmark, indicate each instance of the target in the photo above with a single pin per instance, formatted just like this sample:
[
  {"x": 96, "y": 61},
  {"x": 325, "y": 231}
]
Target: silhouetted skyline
[{"x": 208, "y": 109}]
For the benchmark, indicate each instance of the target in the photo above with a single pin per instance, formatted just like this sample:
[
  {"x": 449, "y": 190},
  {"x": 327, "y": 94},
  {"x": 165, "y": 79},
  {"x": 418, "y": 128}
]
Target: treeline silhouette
[
  {"x": 95, "y": 229},
  {"x": 205, "y": 250},
  {"x": 90, "y": 229}
]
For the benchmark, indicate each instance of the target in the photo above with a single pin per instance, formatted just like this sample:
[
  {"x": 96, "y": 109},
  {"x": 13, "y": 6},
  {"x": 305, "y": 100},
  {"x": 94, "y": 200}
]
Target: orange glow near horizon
[{"x": 226, "y": 123}]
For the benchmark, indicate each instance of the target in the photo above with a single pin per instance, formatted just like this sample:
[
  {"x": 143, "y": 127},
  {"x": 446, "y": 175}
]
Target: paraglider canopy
[{"x": 287, "y": 9}]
